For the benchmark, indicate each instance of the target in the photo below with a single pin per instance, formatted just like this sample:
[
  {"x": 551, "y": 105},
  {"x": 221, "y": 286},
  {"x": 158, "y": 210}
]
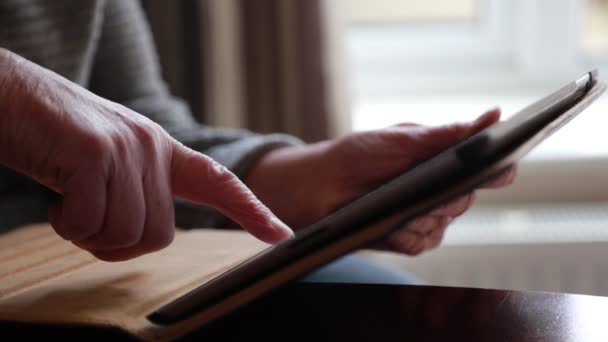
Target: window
[
  {"x": 469, "y": 51},
  {"x": 439, "y": 61},
  {"x": 595, "y": 33},
  {"x": 408, "y": 11}
]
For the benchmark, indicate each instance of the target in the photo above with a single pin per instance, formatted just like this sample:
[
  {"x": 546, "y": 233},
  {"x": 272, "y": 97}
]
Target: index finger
[{"x": 199, "y": 179}]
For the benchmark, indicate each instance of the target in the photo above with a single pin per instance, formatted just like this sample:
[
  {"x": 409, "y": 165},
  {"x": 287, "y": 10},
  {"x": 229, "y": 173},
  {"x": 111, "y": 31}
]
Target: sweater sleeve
[{"x": 126, "y": 70}]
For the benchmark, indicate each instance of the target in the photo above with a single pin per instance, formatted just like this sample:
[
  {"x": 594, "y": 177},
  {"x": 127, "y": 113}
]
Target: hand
[
  {"x": 116, "y": 170},
  {"x": 303, "y": 184}
]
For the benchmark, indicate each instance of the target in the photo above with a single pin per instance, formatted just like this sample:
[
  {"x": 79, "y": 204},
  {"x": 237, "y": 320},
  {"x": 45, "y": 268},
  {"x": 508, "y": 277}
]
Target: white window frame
[
  {"x": 515, "y": 45},
  {"x": 510, "y": 47}
]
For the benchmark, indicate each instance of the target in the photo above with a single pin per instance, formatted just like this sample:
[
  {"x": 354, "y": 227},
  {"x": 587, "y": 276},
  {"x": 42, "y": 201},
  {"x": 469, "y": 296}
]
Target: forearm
[
  {"x": 32, "y": 100},
  {"x": 6, "y": 71},
  {"x": 12, "y": 84},
  {"x": 22, "y": 200}
]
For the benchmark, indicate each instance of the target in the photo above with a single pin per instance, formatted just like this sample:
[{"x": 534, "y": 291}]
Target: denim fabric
[{"x": 355, "y": 268}]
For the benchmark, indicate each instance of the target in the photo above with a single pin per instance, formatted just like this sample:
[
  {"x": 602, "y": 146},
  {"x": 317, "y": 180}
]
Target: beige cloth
[{"x": 44, "y": 279}]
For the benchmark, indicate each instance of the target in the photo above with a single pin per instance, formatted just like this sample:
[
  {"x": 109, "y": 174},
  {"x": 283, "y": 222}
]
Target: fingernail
[{"x": 282, "y": 228}]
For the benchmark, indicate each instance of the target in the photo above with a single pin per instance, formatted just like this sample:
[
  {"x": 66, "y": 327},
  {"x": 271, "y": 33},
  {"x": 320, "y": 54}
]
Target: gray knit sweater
[{"x": 106, "y": 46}]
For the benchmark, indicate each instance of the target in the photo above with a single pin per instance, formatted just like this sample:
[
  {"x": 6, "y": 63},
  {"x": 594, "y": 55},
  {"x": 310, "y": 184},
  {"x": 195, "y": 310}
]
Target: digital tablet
[{"x": 455, "y": 171}]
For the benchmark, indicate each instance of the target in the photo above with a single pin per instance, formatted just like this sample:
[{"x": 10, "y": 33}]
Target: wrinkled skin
[
  {"x": 116, "y": 170},
  {"x": 304, "y": 184}
]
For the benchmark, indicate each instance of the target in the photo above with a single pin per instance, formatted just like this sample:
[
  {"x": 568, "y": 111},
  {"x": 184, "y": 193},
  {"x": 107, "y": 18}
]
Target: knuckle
[
  {"x": 415, "y": 252},
  {"x": 424, "y": 224},
  {"x": 73, "y": 228},
  {"x": 436, "y": 241},
  {"x": 112, "y": 256},
  {"x": 126, "y": 237},
  {"x": 107, "y": 257},
  {"x": 218, "y": 171},
  {"x": 469, "y": 200},
  {"x": 75, "y": 231},
  {"x": 4, "y": 53},
  {"x": 403, "y": 242},
  {"x": 460, "y": 205},
  {"x": 63, "y": 230},
  {"x": 438, "y": 234},
  {"x": 413, "y": 249},
  {"x": 160, "y": 239},
  {"x": 150, "y": 136},
  {"x": 433, "y": 245},
  {"x": 446, "y": 221},
  {"x": 120, "y": 145}
]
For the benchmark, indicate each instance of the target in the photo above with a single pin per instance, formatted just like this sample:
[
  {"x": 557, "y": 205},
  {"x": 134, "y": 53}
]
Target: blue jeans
[{"x": 354, "y": 268}]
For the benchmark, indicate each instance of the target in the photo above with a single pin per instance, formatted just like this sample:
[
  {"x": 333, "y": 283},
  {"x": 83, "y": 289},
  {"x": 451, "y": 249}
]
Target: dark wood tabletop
[
  {"x": 354, "y": 312},
  {"x": 343, "y": 312}
]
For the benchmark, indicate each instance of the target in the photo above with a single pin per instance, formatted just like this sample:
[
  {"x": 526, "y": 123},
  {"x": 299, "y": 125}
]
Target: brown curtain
[
  {"x": 180, "y": 35},
  {"x": 263, "y": 65},
  {"x": 283, "y": 67}
]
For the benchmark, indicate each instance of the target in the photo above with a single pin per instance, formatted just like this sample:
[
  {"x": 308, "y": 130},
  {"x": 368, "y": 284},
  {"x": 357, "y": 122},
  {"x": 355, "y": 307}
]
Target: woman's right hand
[{"x": 116, "y": 170}]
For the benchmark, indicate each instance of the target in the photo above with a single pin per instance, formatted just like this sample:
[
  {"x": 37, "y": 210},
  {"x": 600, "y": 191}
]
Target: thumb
[
  {"x": 442, "y": 137},
  {"x": 198, "y": 178}
]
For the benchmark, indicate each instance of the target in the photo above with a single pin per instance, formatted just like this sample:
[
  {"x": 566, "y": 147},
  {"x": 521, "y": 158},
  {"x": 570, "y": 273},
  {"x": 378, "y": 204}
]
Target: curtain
[
  {"x": 264, "y": 65},
  {"x": 180, "y": 35}
]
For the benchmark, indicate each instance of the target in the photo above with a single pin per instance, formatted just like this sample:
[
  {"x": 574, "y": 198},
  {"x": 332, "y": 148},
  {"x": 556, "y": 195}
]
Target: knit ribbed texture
[{"x": 106, "y": 46}]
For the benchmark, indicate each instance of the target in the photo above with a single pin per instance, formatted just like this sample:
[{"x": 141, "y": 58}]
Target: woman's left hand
[{"x": 303, "y": 184}]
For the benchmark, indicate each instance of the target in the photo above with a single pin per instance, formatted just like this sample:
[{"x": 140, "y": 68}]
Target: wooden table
[{"x": 352, "y": 312}]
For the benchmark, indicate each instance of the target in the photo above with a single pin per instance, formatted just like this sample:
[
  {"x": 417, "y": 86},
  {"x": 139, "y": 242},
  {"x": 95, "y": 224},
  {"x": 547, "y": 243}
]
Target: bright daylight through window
[{"x": 439, "y": 61}]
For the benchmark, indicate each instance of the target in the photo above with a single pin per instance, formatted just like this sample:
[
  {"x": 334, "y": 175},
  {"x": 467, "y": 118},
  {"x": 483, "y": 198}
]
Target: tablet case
[{"x": 44, "y": 279}]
